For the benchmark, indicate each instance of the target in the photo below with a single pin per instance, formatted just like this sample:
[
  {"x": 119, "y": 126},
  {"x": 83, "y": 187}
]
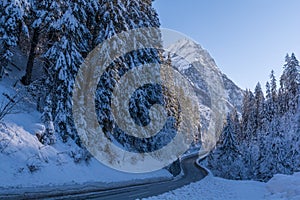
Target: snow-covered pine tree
[
  {"x": 259, "y": 100},
  {"x": 249, "y": 147},
  {"x": 48, "y": 136},
  {"x": 291, "y": 81},
  {"x": 271, "y": 104},
  {"x": 226, "y": 160},
  {"x": 236, "y": 125},
  {"x": 93, "y": 22},
  {"x": 118, "y": 16},
  {"x": 42, "y": 14},
  {"x": 296, "y": 139},
  {"x": 12, "y": 24},
  {"x": 273, "y": 86},
  {"x": 248, "y": 116},
  {"x": 65, "y": 56},
  {"x": 268, "y": 91},
  {"x": 267, "y": 112}
]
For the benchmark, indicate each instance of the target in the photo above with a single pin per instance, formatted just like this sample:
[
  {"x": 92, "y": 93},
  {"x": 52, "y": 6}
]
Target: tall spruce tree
[
  {"x": 273, "y": 86},
  {"x": 226, "y": 160},
  {"x": 42, "y": 14},
  {"x": 65, "y": 57},
  {"x": 12, "y": 13},
  {"x": 290, "y": 81},
  {"x": 259, "y": 100}
]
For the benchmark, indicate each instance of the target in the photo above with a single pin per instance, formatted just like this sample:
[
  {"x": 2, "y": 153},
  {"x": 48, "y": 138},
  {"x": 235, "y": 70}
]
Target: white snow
[
  {"x": 280, "y": 187},
  {"x": 284, "y": 186},
  {"x": 26, "y": 163}
]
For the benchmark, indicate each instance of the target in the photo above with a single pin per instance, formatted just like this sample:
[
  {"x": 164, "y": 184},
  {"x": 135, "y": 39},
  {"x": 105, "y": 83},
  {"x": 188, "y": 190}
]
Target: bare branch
[{"x": 8, "y": 104}]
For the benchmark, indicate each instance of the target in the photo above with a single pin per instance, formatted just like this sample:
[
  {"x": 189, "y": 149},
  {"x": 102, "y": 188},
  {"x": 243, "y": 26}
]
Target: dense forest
[
  {"x": 56, "y": 36},
  {"x": 265, "y": 138}
]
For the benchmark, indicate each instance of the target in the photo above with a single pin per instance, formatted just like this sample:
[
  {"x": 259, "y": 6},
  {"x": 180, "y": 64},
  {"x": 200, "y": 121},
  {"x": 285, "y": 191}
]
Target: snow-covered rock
[{"x": 216, "y": 93}]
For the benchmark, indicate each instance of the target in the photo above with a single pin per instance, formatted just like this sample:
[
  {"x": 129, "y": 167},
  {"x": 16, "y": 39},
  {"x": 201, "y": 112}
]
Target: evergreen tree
[
  {"x": 273, "y": 86},
  {"x": 42, "y": 14},
  {"x": 259, "y": 107},
  {"x": 290, "y": 81},
  {"x": 226, "y": 160},
  {"x": 268, "y": 111},
  {"x": 228, "y": 140},
  {"x": 12, "y": 13},
  {"x": 268, "y": 91},
  {"x": 248, "y": 116},
  {"x": 118, "y": 16},
  {"x": 271, "y": 104},
  {"x": 65, "y": 56},
  {"x": 236, "y": 125}
]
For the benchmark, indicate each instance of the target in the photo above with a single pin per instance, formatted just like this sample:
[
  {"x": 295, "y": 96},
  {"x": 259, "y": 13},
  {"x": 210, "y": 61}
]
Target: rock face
[
  {"x": 206, "y": 79},
  {"x": 234, "y": 93}
]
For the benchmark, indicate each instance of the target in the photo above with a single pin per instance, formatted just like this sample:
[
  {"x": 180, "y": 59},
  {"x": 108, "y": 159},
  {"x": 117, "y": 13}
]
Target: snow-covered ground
[
  {"x": 212, "y": 188},
  {"x": 25, "y": 162}
]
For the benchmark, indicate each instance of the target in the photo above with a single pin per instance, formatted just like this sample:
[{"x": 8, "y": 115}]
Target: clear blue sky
[{"x": 247, "y": 38}]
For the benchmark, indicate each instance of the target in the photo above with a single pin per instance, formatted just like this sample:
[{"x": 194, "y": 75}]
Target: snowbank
[
  {"x": 25, "y": 162},
  {"x": 285, "y": 186},
  {"x": 280, "y": 187}
]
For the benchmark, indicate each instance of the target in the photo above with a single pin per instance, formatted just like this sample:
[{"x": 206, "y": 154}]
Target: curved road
[{"x": 192, "y": 173}]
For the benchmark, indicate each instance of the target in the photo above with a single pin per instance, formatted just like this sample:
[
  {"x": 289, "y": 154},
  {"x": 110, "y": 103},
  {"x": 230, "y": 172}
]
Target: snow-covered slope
[
  {"x": 281, "y": 187},
  {"x": 25, "y": 162},
  {"x": 202, "y": 59}
]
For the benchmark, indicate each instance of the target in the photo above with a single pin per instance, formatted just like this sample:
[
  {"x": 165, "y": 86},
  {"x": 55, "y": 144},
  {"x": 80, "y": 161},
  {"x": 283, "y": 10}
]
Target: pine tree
[
  {"x": 12, "y": 24},
  {"x": 268, "y": 91},
  {"x": 236, "y": 125},
  {"x": 267, "y": 112},
  {"x": 259, "y": 107},
  {"x": 228, "y": 139},
  {"x": 49, "y": 136},
  {"x": 273, "y": 86},
  {"x": 42, "y": 14},
  {"x": 118, "y": 16},
  {"x": 226, "y": 160},
  {"x": 271, "y": 104},
  {"x": 65, "y": 57},
  {"x": 290, "y": 81},
  {"x": 248, "y": 116}
]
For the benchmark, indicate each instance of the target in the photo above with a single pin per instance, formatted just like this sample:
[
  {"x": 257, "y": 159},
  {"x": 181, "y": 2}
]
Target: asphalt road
[{"x": 192, "y": 173}]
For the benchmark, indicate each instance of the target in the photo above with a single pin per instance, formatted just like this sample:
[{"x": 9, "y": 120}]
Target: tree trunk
[
  {"x": 26, "y": 79},
  {"x": 1, "y": 72}
]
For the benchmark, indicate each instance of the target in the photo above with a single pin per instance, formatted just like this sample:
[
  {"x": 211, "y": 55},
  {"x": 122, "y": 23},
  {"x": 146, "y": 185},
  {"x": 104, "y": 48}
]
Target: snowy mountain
[
  {"x": 202, "y": 59},
  {"x": 206, "y": 78}
]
